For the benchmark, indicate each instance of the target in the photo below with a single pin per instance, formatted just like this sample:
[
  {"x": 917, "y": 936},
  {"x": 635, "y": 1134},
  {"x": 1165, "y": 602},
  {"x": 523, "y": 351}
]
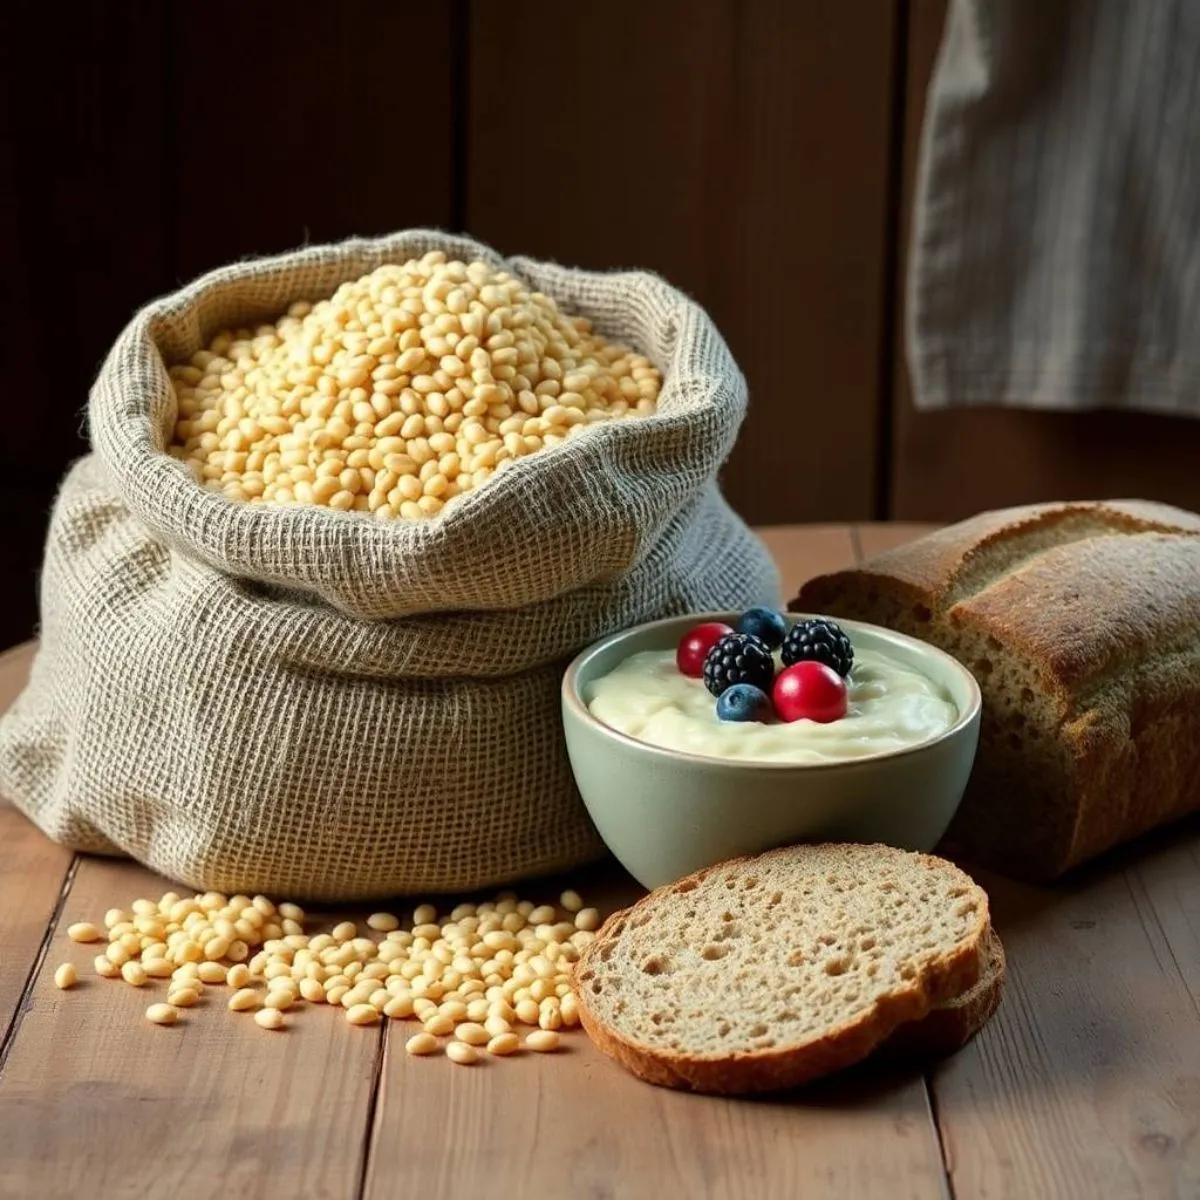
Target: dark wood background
[{"x": 758, "y": 153}]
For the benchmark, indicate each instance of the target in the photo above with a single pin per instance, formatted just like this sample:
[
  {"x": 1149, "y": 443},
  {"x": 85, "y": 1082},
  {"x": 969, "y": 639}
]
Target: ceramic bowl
[{"x": 664, "y": 813}]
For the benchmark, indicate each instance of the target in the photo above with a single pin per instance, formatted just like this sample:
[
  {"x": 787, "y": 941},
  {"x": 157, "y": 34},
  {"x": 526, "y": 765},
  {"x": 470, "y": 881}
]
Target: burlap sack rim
[{"x": 236, "y": 538}]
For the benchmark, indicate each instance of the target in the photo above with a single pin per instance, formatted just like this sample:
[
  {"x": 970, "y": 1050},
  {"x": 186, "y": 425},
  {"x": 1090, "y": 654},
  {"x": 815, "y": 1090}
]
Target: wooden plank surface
[
  {"x": 96, "y": 1101},
  {"x": 575, "y": 1124},
  {"x": 741, "y": 149},
  {"x": 805, "y": 551},
  {"x": 1087, "y": 1082},
  {"x": 32, "y": 873}
]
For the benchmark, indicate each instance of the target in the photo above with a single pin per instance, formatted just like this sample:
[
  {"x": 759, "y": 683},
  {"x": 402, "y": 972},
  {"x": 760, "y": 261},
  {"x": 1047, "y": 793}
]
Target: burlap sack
[{"x": 320, "y": 704}]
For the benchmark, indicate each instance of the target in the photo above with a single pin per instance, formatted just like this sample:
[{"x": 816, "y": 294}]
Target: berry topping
[
  {"x": 694, "y": 647},
  {"x": 738, "y": 658},
  {"x": 810, "y": 690},
  {"x": 765, "y": 624},
  {"x": 743, "y": 702},
  {"x": 821, "y": 641}
]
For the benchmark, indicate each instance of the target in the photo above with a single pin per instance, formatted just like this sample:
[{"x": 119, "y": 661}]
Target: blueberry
[
  {"x": 743, "y": 702},
  {"x": 765, "y": 624}
]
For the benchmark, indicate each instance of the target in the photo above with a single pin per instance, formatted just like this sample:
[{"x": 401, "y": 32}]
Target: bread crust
[
  {"x": 946, "y": 977},
  {"x": 930, "y": 569},
  {"x": 1098, "y": 605},
  {"x": 951, "y": 1026}
]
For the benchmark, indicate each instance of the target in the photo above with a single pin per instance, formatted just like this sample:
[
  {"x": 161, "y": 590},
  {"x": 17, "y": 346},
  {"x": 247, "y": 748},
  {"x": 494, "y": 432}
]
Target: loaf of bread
[{"x": 1081, "y": 623}]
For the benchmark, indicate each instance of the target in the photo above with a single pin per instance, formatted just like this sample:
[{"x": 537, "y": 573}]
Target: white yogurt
[{"x": 891, "y": 707}]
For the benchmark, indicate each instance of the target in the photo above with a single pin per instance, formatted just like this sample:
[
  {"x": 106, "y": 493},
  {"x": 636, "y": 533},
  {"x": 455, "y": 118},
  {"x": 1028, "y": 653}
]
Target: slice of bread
[
  {"x": 950, "y": 1026},
  {"x": 768, "y": 971}
]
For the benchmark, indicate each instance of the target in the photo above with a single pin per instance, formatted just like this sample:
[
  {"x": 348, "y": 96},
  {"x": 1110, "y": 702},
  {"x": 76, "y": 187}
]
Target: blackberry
[
  {"x": 821, "y": 641},
  {"x": 739, "y": 658}
]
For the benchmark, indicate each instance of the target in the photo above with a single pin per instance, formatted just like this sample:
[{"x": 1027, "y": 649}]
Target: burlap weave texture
[{"x": 296, "y": 700}]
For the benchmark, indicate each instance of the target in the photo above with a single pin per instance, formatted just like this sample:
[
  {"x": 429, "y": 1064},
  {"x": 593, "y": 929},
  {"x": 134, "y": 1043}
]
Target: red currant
[
  {"x": 810, "y": 689},
  {"x": 694, "y": 647}
]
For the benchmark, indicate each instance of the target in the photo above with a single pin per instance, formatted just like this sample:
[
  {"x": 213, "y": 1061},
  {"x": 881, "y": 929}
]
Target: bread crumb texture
[{"x": 779, "y": 967}]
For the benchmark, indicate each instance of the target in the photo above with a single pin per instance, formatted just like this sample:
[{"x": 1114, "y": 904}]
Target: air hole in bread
[
  {"x": 654, "y": 965},
  {"x": 759, "y": 1030},
  {"x": 788, "y": 1014},
  {"x": 907, "y": 971},
  {"x": 727, "y": 915},
  {"x": 993, "y": 644},
  {"x": 921, "y": 613},
  {"x": 684, "y": 886},
  {"x": 983, "y": 666},
  {"x": 1026, "y": 695},
  {"x": 836, "y": 966},
  {"x": 723, "y": 1028},
  {"x": 775, "y": 900},
  {"x": 712, "y": 952},
  {"x": 597, "y": 987},
  {"x": 827, "y": 939},
  {"x": 868, "y": 943},
  {"x": 751, "y": 882},
  {"x": 606, "y": 951},
  {"x": 796, "y": 958},
  {"x": 640, "y": 920}
]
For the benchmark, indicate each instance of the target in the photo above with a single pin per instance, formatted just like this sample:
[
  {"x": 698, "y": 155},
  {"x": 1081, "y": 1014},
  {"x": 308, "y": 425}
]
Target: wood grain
[
  {"x": 81, "y": 239},
  {"x": 333, "y": 122},
  {"x": 802, "y": 552},
  {"x": 32, "y": 873},
  {"x": 96, "y": 1101},
  {"x": 739, "y": 148},
  {"x": 948, "y": 465},
  {"x": 1087, "y": 1082},
  {"x": 575, "y": 1124}
]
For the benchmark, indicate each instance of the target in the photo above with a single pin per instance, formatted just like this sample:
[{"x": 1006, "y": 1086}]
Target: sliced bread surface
[
  {"x": 950, "y": 1026},
  {"x": 767, "y": 971}
]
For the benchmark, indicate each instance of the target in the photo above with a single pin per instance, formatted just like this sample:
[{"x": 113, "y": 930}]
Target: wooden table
[{"x": 1087, "y": 1082}]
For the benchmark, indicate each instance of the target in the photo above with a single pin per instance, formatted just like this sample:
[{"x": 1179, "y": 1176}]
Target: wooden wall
[{"x": 758, "y": 153}]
